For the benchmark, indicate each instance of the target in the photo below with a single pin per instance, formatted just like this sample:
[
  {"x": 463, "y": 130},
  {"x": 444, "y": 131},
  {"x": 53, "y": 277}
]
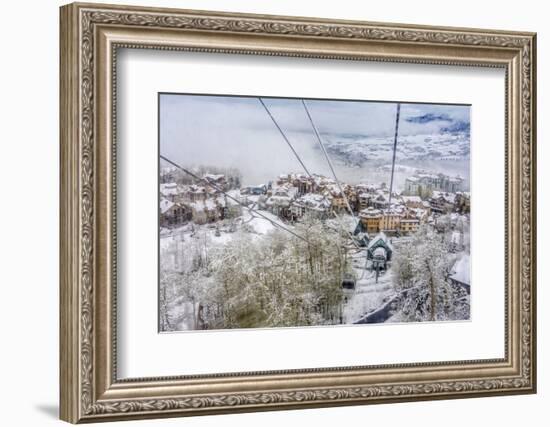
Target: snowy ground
[{"x": 369, "y": 295}]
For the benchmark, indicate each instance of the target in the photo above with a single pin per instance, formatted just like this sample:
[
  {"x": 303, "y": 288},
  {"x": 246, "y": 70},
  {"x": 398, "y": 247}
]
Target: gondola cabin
[
  {"x": 379, "y": 252},
  {"x": 348, "y": 282},
  {"x": 379, "y": 259}
]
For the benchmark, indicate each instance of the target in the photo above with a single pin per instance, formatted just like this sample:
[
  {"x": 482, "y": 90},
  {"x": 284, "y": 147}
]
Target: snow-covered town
[
  {"x": 288, "y": 212},
  {"x": 307, "y": 250}
]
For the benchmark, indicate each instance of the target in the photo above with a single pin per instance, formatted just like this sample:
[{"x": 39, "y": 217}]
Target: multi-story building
[
  {"x": 462, "y": 202},
  {"x": 442, "y": 202},
  {"x": 173, "y": 214},
  {"x": 390, "y": 221},
  {"x": 423, "y": 182},
  {"x": 195, "y": 193},
  {"x": 316, "y": 205},
  {"x": 255, "y": 190},
  {"x": 382, "y": 200},
  {"x": 409, "y": 222},
  {"x": 364, "y": 200},
  {"x": 371, "y": 218},
  {"x": 169, "y": 191},
  {"x": 280, "y": 200},
  {"x": 336, "y": 197},
  {"x": 352, "y": 197},
  {"x": 412, "y": 201},
  {"x": 303, "y": 183}
]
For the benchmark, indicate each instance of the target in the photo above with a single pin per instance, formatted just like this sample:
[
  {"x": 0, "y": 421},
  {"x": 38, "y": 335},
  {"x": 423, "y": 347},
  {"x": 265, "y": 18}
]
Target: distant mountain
[
  {"x": 429, "y": 117},
  {"x": 356, "y": 150}
]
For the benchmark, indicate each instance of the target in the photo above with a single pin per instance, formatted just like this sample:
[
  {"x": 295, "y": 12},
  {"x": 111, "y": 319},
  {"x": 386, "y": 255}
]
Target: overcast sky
[{"x": 237, "y": 132}]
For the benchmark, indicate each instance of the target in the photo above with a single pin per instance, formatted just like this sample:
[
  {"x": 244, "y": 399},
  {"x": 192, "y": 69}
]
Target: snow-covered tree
[
  {"x": 420, "y": 276},
  {"x": 279, "y": 280}
]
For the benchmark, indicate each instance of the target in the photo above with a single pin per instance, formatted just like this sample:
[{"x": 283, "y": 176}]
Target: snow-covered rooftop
[
  {"x": 461, "y": 270},
  {"x": 370, "y": 212},
  {"x": 165, "y": 205},
  {"x": 380, "y": 236},
  {"x": 169, "y": 189},
  {"x": 213, "y": 177},
  {"x": 449, "y": 197},
  {"x": 315, "y": 201},
  {"x": 411, "y": 199}
]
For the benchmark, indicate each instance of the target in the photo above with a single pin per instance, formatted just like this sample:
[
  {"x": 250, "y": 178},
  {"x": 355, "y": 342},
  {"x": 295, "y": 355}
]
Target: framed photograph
[{"x": 266, "y": 212}]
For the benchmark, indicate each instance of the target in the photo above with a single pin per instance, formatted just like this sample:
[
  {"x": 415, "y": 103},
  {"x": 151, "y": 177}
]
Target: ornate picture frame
[{"x": 91, "y": 34}]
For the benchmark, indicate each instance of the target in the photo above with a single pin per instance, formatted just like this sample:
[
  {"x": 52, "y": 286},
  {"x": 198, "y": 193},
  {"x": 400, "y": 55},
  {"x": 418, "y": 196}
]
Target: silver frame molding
[{"x": 90, "y": 37}]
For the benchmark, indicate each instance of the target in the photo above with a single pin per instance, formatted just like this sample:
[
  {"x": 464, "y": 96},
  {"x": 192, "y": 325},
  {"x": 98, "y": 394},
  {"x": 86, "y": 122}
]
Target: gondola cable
[
  {"x": 318, "y": 136},
  {"x": 304, "y": 166}
]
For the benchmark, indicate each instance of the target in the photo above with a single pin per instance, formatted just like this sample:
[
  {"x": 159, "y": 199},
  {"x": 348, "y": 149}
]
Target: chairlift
[{"x": 348, "y": 281}]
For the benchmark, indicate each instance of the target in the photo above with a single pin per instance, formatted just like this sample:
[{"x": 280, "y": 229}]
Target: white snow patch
[{"x": 461, "y": 270}]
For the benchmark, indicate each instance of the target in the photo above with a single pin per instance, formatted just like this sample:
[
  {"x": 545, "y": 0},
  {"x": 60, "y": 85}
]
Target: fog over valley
[{"x": 237, "y": 132}]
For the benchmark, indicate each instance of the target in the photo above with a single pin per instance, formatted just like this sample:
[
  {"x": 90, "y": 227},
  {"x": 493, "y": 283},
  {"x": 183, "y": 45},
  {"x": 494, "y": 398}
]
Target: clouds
[
  {"x": 231, "y": 132},
  {"x": 237, "y": 131}
]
